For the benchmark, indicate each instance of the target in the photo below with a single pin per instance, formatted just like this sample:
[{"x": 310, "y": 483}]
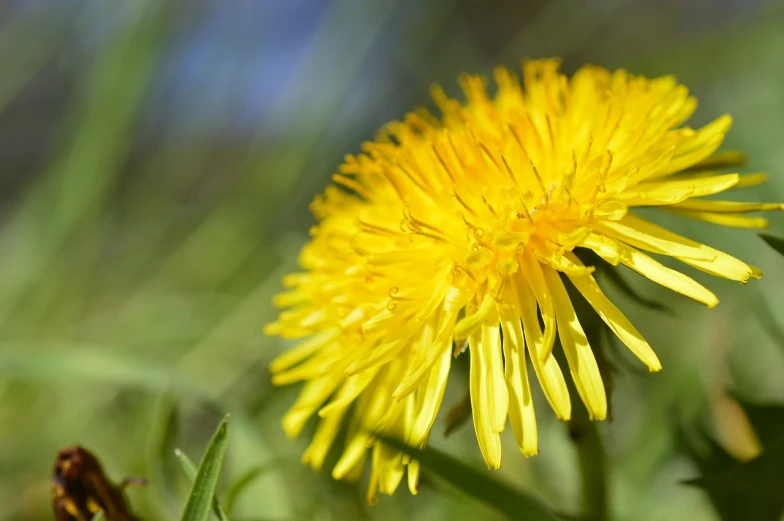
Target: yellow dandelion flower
[{"x": 450, "y": 232}]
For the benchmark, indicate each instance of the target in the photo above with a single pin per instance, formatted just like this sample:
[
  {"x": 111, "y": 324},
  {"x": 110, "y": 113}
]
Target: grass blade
[
  {"x": 82, "y": 175},
  {"x": 512, "y": 503},
  {"x": 777, "y": 243},
  {"x": 189, "y": 469},
  {"x": 205, "y": 480},
  {"x": 99, "y": 516}
]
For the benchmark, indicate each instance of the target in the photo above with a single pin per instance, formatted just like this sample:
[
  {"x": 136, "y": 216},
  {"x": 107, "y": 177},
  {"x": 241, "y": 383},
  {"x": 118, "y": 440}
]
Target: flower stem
[{"x": 593, "y": 467}]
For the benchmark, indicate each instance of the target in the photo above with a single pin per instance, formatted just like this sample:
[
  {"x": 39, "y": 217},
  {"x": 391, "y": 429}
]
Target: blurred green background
[{"x": 157, "y": 159}]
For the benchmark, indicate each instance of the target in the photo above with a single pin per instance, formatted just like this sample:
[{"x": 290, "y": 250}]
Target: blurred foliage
[
  {"x": 157, "y": 159},
  {"x": 746, "y": 489},
  {"x": 777, "y": 243},
  {"x": 477, "y": 484}
]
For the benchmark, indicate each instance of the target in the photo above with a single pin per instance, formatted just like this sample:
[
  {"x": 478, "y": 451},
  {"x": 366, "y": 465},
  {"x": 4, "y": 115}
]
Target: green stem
[
  {"x": 593, "y": 466},
  {"x": 591, "y": 456}
]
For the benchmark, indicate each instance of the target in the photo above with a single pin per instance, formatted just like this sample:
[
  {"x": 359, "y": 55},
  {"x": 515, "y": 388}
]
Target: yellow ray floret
[{"x": 461, "y": 231}]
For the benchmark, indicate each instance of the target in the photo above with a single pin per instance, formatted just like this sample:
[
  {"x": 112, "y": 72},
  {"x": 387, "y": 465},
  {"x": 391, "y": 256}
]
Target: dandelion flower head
[{"x": 461, "y": 231}]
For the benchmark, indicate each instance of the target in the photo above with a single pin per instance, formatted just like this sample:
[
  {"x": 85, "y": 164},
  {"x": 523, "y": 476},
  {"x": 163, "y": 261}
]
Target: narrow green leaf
[
  {"x": 739, "y": 490},
  {"x": 767, "y": 420},
  {"x": 748, "y": 491},
  {"x": 189, "y": 469},
  {"x": 777, "y": 243},
  {"x": 99, "y": 516},
  {"x": 512, "y": 503},
  {"x": 205, "y": 480}
]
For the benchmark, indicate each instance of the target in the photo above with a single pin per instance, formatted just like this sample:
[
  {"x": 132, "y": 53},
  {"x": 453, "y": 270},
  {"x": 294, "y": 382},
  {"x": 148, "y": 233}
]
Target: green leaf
[
  {"x": 744, "y": 490},
  {"x": 777, "y": 243},
  {"x": 189, "y": 469},
  {"x": 748, "y": 491},
  {"x": 767, "y": 419},
  {"x": 99, "y": 516},
  {"x": 479, "y": 485},
  {"x": 205, "y": 480}
]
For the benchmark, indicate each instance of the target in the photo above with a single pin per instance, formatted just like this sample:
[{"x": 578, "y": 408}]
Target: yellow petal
[
  {"x": 498, "y": 396},
  {"x": 355, "y": 450},
  {"x": 428, "y": 358},
  {"x": 701, "y": 205},
  {"x": 614, "y": 318},
  {"x": 357, "y": 471},
  {"x": 722, "y": 265},
  {"x": 582, "y": 363},
  {"x": 325, "y": 435},
  {"x": 535, "y": 280},
  {"x": 521, "y": 406},
  {"x": 390, "y": 465},
  {"x": 669, "y": 278},
  {"x": 429, "y": 396},
  {"x": 651, "y": 169},
  {"x": 303, "y": 350},
  {"x": 639, "y": 233},
  {"x": 604, "y": 246},
  {"x": 372, "y": 490},
  {"x": 704, "y": 143},
  {"x": 726, "y": 219},
  {"x": 674, "y": 191},
  {"x": 372, "y": 406},
  {"x": 546, "y": 368},
  {"x": 469, "y": 324},
  {"x": 488, "y": 394},
  {"x": 353, "y": 387},
  {"x": 564, "y": 265},
  {"x": 612, "y": 210},
  {"x": 752, "y": 180},
  {"x": 314, "y": 393},
  {"x": 327, "y": 360},
  {"x": 290, "y": 298},
  {"x": 378, "y": 322},
  {"x": 745, "y": 181},
  {"x": 413, "y": 477},
  {"x": 721, "y": 159},
  {"x": 382, "y": 354}
]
